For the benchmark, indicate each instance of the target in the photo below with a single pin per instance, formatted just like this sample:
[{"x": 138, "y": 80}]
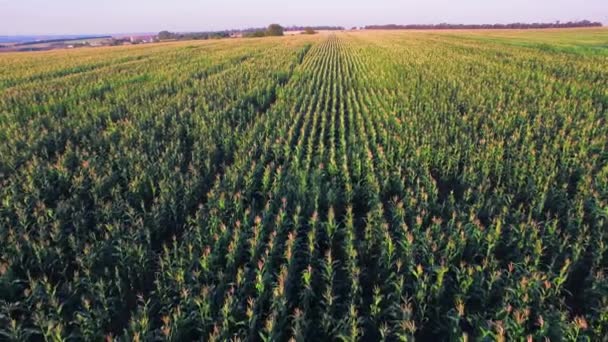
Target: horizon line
[{"x": 603, "y": 24}]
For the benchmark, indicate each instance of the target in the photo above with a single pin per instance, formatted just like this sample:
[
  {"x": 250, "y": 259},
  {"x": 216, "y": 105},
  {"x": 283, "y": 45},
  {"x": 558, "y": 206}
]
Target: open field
[
  {"x": 354, "y": 186},
  {"x": 583, "y": 41}
]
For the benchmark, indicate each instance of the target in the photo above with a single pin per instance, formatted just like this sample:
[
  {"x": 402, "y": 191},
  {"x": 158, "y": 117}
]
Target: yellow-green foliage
[{"x": 356, "y": 186}]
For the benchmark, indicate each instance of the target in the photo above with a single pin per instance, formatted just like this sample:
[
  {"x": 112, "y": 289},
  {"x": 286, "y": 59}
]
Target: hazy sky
[{"x": 128, "y": 16}]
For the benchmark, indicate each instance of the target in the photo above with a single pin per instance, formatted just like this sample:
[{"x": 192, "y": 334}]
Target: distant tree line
[
  {"x": 570, "y": 24},
  {"x": 273, "y": 30},
  {"x": 166, "y": 35},
  {"x": 316, "y": 28}
]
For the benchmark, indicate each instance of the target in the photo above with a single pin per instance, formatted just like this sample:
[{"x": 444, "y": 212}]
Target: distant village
[
  {"x": 73, "y": 43},
  {"x": 114, "y": 41}
]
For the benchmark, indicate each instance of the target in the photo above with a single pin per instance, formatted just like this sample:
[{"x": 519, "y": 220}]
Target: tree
[
  {"x": 164, "y": 35},
  {"x": 274, "y": 30},
  {"x": 309, "y": 30}
]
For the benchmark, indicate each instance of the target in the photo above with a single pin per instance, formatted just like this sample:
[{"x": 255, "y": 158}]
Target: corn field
[{"x": 385, "y": 186}]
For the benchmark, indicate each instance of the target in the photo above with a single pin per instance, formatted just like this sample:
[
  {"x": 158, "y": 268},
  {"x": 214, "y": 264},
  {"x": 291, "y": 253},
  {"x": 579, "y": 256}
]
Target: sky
[{"x": 20, "y": 17}]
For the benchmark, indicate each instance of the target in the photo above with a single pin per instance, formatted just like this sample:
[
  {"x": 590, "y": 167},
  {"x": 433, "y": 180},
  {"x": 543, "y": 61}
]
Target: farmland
[{"x": 354, "y": 186}]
